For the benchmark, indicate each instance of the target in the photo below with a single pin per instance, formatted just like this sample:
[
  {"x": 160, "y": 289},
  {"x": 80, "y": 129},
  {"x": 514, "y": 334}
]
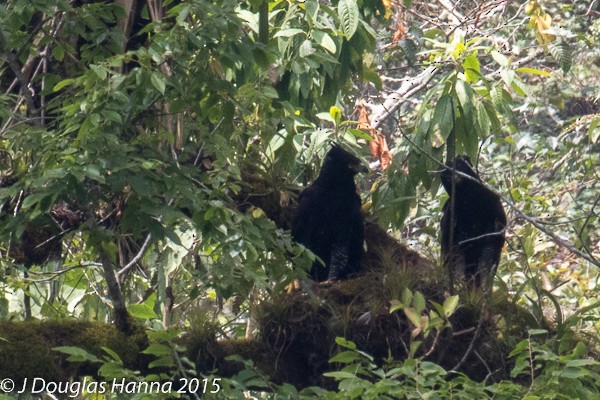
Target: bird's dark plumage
[
  {"x": 472, "y": 235},
  {"x": 328, "y": 220}
]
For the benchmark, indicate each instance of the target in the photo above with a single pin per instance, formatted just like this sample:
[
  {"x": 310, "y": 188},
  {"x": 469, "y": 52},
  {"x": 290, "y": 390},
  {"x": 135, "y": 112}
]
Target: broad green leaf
[
  {"x": 500, "y": 58},
  {"x": 413, "y": 316},
  {"x": 450, "y": 305},
  {"x": 76, "y": 354},
  {"x": 286, "y": 33},
  {"x": 324, "y": 40},
  {"x": 419, "y": 302},
  {"x": 349, "y": 16},
  {"x": 158, "y": 350},
  {"x": 58, "y": 52},
  {"x": 158, "y": 81},
  {"x": 166, "y": 361},
  {"x": 142, "y": 311},
  {"x": 442, "y": 123},
  {"x": 306, "y": 49},
  {"x": 99, "y": 71},
  {"x": 465, "y": 95},
  {"x": 345, "y": 343},
  {"x": 344, "y": 357},
  {"x": 472, "y": 69},
  {"x": 406, "y": 297}
]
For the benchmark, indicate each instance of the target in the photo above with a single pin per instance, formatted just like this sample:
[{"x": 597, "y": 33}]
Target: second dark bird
[
  {"x": 473, "y": 231},
  {"x": 328, "y": 220}
]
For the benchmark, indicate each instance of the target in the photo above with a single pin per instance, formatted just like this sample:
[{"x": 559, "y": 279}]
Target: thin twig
[{"x": 135, "y": 259}]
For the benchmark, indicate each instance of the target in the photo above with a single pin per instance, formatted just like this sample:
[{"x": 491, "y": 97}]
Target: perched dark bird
[
  {"x": 473, "y": 223},
  {"x": 328, "y": 220}
]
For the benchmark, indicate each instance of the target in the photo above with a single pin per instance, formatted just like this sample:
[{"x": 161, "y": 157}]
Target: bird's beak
[{"x": 358, "y": 167}]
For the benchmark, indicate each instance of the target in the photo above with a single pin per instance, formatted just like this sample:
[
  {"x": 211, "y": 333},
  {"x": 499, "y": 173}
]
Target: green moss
[{"x": 26, "y": 348}]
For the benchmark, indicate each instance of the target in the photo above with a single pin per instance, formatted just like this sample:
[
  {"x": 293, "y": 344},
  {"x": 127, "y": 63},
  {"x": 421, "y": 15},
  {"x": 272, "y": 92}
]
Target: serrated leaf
[{"x": 348, "y": 14}]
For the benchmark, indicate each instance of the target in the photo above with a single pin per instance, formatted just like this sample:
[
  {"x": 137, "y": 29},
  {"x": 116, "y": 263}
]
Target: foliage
[{"x": 158, "y": 155}]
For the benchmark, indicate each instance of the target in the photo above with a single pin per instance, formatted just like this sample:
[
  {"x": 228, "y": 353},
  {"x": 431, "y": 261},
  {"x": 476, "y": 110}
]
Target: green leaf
[
  {"x": 533, "y": 71},
  {"x": 99, "y": 71},
  {"x": 339, "y": 375},
  {"x": 162, "y": 362},
  {"x": 413, "y": 316},
  {"x": 419, "y": 302},
  {"x": 142, "y": 311},
  {"x": 345, "y": 343},
  {"x": 483, "y": 120},
  {"x": 573, "y": 373},
  {"x": 62, "y": 84},
  {"x": 406, "y": 297},
  {"x": 581, "y": 363},
  {"x": 306, "y": 49},
  {"x": 286, "y": 33},
  {"x": 158, "y": 81},
  {"x": 450, "y": 305},
  {"x": 395, "y": 305},
  {"x": 534, "y": 332},
  {"x": 58, "y": 52},
  {"x": 112, "y": 116},
  {"x": 441, "y": 123},
  {"x": 465, "y": 95},
  {"x": 345, "y": 357},
  {"x": 500, "y": 58},
  {"x": 324, "y": 40},
  {"x": 472, "y": 69},
  {"x": 76, "y": 354},
  {"x": 349, "y": 15},
  {"x": 158, "y": 350}
]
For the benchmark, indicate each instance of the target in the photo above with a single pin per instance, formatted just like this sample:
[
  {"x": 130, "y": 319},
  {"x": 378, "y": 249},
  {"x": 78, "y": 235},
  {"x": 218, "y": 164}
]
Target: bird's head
[
  {"x": 340, "y": 160},
  {"x": 461, "y": 164}
]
